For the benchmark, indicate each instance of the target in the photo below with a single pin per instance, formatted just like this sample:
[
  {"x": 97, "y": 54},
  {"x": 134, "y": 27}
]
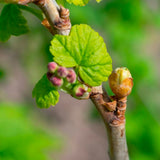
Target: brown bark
[{"x": 114, "y": 119}]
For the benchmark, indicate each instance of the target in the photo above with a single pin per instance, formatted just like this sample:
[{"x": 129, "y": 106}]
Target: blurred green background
[{"x": 73, "y": 129}]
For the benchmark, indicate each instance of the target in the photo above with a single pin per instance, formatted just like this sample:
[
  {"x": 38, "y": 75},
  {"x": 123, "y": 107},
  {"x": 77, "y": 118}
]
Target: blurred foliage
[
  {"x": 12, "y": 22},
  {"x": 143, "y": 135},
  {"x": 20, "y": 138},
  {"x": 2, "y": 73}
]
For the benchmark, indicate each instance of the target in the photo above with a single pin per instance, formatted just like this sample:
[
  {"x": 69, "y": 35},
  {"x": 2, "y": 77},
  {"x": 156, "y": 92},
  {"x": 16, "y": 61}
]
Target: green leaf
[
  {"x": 78, "y": 2},
  {"x": 84, "y": 49},
  {"x": 12, "y": 22},
  {"x": 61, "y": 2},
  {"x": 98, "y": 1},
  {"x": 45, "y": 94}
]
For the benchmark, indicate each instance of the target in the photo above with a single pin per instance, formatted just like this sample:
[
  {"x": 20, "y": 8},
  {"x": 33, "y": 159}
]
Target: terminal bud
[{"x": 121, "y": 82}]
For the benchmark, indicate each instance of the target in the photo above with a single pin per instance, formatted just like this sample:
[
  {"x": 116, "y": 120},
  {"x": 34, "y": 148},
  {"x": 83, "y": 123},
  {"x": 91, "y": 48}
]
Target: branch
[
  {"x": 58, "y": 17},
  {"x": 115, "y": 124},
  {"x": 112, "y": 110}
]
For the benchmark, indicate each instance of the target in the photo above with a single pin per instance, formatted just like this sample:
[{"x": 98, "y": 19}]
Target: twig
[
  {"x": 58, "y": 17},
  {"x": 115, "y": 124}
]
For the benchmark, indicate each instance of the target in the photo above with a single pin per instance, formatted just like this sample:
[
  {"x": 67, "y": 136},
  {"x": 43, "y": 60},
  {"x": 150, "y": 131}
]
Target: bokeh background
[{"x": 73, "y": 129}]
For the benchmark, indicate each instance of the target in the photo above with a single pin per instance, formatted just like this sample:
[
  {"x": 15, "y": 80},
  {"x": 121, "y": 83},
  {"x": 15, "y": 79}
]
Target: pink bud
[
  {"x": 56, "y": 81},
  {"x": 62, "y": 72},
  {"x": 52, "y": 67},
  {"x": 71, "y": 76},
  {"x": 79, "y": 92}
]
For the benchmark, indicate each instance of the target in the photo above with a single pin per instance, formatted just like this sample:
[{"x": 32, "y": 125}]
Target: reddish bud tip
[
  {"x": 49, "y": 75},
  {"x": 71, "y": 76},
  {"x": 56, "y": 81},
  {"x": 81, "y": 91},
  {"x": 62, "y": 72},
  {"x": 52, "y": 67}
]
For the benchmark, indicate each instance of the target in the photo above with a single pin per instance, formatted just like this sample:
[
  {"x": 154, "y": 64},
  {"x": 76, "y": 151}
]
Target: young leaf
[
  {"x": 45, "y": 94},
  {"x": 78, "y": 2},
  {"x": 84, "y": 49},
  {"x": 12, "y": 22}
]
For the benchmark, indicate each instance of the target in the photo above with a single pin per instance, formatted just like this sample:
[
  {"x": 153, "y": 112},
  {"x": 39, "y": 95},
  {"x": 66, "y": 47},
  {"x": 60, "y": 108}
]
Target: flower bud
[
  {"x": 71, "y": 76},
  {"x": 58, "y": 82},
  {"x": 121, "y": 82},
  {"x": 62, "y": 72},
  {"x": 81, "y": 91},
  {"x": 52, "y": 67}
]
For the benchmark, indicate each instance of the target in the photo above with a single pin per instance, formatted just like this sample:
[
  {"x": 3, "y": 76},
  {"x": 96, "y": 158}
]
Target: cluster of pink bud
[{"x": 56, "y": 74}]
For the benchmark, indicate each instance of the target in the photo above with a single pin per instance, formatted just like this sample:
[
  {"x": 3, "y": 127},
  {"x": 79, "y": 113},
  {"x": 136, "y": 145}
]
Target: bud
[
  {"x": 71, "y": 76},
  {"x": 62, "y": 72},
  {"x": 81, "y": 91},
  {"x": 52, "y": 67},
  {"x": 121, "y": 82},
  {"x": 56, "y": 81}
]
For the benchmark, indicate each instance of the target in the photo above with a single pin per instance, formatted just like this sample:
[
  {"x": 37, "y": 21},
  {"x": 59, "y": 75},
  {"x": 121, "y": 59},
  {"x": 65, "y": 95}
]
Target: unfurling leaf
[
  {"x": 45, "y": 93},
  {"x": 12, "y": 22},
  {"x": 85, "y": 50}
]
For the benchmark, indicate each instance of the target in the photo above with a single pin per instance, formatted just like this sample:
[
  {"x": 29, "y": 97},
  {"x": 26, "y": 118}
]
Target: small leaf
[
  {"x": 12, "y": 22},
  {"x": 85, "y": 50},
  {"x": 78, "y": 2},
  {"x": 45, "y": 93}
]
